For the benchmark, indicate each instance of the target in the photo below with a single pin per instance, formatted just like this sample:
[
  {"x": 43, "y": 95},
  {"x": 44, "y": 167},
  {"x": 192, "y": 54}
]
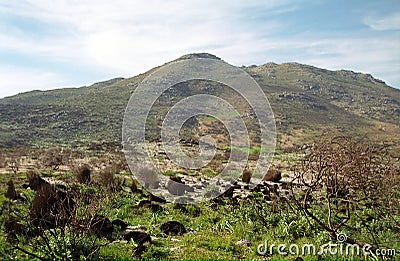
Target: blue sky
[{"x": 46, "y": 44}]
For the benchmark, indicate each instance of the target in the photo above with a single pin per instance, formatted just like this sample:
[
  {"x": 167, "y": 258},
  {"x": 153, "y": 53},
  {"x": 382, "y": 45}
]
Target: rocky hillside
[{"x": 306, "y": 101}]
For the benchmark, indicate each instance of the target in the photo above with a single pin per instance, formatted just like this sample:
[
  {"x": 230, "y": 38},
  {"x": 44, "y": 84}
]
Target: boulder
[{"x": 176, "y": 186}]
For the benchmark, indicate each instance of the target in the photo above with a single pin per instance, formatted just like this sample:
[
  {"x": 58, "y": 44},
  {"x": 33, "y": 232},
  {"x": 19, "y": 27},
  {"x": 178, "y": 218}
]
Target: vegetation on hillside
[
  {"x": 306, "y": 101},
  {"x": 340, "y": 187}
]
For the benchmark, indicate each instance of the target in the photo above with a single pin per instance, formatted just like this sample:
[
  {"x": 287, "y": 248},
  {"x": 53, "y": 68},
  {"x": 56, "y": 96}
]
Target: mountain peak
[{"x": 198, "y": 55}]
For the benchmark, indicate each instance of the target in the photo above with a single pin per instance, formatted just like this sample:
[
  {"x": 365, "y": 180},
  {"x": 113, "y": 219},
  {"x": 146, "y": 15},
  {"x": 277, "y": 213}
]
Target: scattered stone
[
  {"x": 211, "y": 194},
  {"x": 191, "y": 231},
  {"x": 189, "y": 188},
  {"x": 243, "y": 242},
  {"x": 176, "y": 186},
  {"x": 159, "y": 199},
  {"x": 173, "y": 228},
  {"x": 183, "y": 200},
  {"x": 138, "y": 227}
]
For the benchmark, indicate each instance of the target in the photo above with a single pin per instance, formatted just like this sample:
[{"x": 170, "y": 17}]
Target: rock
[
  {"x": 243, "y": 242},
  {"x": 138, "y": 227},
  {"x": 191, "y": 230},
  {"x": 211, "y": 194},
  {"x": 273, "y": 175},
  {"x": 173, "y": 228},
  {"x": 159, "y": 199},
  {"x": 183, "y": 200},
  {"x": 189, "y": 188},
  {"x": 246, "y": 176},
  {"x": 176, "y": 186},
  {"x": 229, "y": 192}
]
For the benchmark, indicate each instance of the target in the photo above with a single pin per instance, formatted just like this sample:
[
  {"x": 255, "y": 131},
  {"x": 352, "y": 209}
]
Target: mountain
[{"x": 306, "y": 101}]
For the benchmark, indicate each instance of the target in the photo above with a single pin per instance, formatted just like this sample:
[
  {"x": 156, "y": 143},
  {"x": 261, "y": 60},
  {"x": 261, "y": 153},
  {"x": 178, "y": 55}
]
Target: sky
[{"x": 47, "y": 44}]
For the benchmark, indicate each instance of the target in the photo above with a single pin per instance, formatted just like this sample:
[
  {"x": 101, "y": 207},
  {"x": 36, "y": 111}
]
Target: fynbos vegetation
[{"x": 338, "y": 186}]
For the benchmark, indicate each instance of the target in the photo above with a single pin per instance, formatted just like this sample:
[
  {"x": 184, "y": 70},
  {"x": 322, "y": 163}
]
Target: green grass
[
  {"x": 251, "y": 151},
  {"x": 208, "y": 172},
  {"x": 218, "y": 227}
]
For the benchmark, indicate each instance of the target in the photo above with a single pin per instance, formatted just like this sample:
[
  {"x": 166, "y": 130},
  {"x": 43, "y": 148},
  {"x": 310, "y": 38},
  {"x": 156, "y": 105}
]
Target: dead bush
[
  {"x": 109, "y": 180},
  {"x": 74, "y": 235},
  {"x": 51, "y": 207},
  {"x": 11, "y": 193},
  {"x": 341, "y": 174},
  {"x": 53, "y": 158},
  {"x": 83, "y": 174}
]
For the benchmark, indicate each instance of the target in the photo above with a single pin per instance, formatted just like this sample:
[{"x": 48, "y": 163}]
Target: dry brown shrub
[{"x": 83, "y": 174}]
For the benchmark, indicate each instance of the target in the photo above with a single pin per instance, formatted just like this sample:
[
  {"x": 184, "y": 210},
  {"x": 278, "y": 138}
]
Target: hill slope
[{"x": 306, "y": 101}]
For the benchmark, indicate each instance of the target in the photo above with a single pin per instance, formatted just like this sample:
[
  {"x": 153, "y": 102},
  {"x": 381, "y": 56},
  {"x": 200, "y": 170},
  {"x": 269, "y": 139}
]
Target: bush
[
  {"x": 83, "y": 174},
  {"x": 108, "y": 179},
  {"x": 53, "y": 158}
]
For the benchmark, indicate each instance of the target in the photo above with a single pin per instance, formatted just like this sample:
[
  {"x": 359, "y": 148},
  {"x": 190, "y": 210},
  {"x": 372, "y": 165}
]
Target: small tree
[{"x": 340, "y": 175}]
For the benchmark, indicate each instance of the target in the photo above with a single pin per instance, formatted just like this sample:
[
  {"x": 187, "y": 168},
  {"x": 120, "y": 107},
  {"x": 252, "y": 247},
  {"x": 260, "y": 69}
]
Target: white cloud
[
  {"x": 129, "y": 37},
  {"x": 378, "y": 57},
  {"x": 382, "y": 23},
  {"x": 16, "y": 78}
]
